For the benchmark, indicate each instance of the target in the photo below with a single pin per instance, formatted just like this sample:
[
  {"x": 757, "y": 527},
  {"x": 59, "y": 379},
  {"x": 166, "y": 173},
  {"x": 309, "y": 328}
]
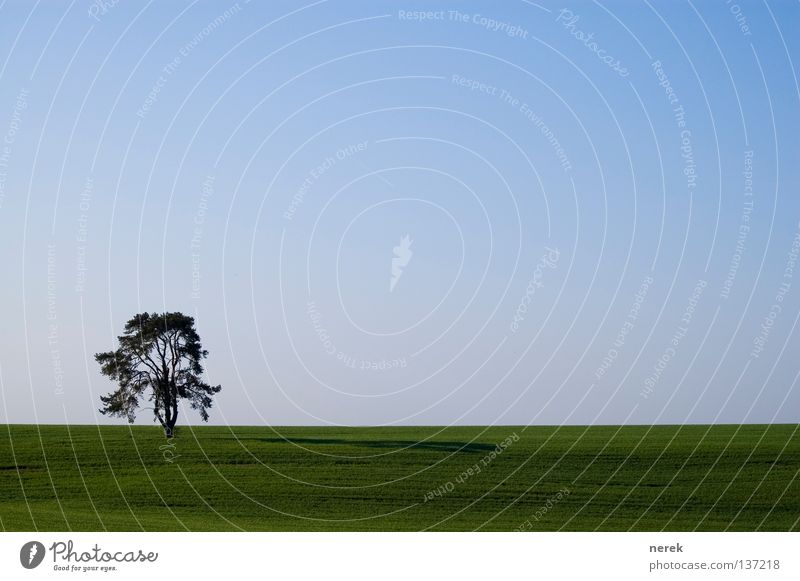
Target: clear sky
[{"x": 407, "y": 212}]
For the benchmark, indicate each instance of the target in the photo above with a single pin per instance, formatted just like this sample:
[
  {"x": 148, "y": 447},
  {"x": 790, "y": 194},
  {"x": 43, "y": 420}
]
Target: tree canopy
[{"x": 158, "y": 361}]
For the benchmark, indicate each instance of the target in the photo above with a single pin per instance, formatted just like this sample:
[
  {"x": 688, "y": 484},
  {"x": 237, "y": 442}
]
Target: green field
[{"x": 738, "y": 478}]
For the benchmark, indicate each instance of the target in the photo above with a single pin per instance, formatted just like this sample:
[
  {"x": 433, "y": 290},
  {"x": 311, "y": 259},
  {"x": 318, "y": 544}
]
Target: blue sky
[{"x": 600, "y": 198}]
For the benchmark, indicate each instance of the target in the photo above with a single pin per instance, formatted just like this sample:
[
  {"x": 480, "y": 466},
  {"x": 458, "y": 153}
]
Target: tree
[{"x": 158, "y": 360}]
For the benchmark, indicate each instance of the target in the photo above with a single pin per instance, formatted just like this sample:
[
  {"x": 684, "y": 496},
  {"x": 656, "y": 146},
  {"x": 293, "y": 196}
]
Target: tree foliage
[{"x": 158, "y": 361}]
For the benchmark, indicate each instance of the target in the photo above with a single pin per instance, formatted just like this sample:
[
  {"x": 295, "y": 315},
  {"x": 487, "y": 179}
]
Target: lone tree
[{"x": 158, "y": 360}]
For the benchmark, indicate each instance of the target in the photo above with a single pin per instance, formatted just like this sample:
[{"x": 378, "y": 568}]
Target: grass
[{"x": 710, "y": 478}]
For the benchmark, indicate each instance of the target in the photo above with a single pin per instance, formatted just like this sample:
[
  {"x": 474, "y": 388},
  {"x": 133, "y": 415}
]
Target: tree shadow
[{"x": 439, "y": 446}]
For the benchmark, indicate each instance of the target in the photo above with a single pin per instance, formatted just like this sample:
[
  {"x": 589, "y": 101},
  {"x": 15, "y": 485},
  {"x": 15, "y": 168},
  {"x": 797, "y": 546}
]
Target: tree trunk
[{"x": 169, "y": 425}]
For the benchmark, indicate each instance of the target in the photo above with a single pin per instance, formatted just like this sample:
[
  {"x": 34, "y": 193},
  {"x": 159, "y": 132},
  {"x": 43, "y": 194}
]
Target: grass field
[{"x": 257, "y": 478}]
